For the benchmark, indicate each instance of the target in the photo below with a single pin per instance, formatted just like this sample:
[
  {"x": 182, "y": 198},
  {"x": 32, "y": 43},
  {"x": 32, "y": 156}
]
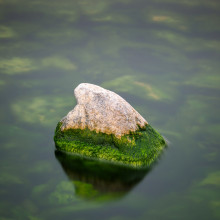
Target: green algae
[
  {"x": 59, "y": 62},
  {"x": 204, "y": 80},
  {"x": 138, "y": 149},
  {"x": 166, "y": 18},
  {"x": 39, "y": 109},
  {"x": 2, "y": 83},
  {"x": 6, "y": 32},
  {"x": 143, "y": 87},
  {"x": 16, "y": 65},
  {"x": 93, "y": 7},
  {"x": 212, "y": 179},
  {"x": 64, "y": 193}
]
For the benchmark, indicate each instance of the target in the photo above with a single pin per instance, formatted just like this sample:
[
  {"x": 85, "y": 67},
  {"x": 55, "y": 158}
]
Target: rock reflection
[{"x": 99, "y": 180}]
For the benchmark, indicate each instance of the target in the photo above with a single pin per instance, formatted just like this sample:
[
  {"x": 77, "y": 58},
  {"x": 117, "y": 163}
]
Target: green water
[{"x": 162, "y": 56}]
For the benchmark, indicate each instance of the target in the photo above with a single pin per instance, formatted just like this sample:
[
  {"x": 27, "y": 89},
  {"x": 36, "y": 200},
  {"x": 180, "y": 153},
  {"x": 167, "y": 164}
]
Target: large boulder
[
  {"x": 103, "y": 111},
  {"x": 104, "y": 126}
]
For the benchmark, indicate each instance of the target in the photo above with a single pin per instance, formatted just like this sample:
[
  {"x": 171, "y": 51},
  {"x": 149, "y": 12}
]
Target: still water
[{"x": 162, "y": 56}]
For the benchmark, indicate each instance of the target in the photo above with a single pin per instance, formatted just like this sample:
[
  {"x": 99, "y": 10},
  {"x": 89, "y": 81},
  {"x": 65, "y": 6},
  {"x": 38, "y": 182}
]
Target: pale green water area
[{"x": 162, "y": 56}]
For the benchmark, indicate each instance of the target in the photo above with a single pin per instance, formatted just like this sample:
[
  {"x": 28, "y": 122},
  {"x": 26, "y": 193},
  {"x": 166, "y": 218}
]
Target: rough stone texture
[{"x": 103, "y": 111}]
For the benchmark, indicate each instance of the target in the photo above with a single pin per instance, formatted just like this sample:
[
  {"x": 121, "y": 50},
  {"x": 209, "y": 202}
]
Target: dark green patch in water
[{"x": 97, "y": 180}]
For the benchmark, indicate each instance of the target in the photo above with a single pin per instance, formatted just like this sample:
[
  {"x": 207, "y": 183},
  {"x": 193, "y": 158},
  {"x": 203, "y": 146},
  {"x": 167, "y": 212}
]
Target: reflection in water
[{"x": 97, "y": 179}]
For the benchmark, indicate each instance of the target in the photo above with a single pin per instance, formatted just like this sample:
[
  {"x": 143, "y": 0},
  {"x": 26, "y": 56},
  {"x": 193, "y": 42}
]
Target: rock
[
  {"x": 103, "y": 126},
  {"x": 101, "y": 110}
]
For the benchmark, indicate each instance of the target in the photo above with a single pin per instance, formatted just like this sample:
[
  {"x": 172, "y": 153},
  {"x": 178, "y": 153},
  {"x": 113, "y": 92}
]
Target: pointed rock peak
[{"x": 101, "y": 110}]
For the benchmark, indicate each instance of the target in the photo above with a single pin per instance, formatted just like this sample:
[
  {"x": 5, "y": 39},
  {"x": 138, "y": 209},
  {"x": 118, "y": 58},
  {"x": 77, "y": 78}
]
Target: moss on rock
[{"x": 137, "y": 149}]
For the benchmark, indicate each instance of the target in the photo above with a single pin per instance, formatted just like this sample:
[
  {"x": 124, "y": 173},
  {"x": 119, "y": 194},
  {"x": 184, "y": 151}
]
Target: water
[{"x": 161, "y": 56}]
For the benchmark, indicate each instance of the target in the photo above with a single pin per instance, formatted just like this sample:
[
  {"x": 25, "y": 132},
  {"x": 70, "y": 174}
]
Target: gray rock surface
[{"x": 103, "y": 111}]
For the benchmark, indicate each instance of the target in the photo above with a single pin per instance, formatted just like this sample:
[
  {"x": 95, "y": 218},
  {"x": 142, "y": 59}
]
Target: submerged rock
[{"x": 104, "y": 126}]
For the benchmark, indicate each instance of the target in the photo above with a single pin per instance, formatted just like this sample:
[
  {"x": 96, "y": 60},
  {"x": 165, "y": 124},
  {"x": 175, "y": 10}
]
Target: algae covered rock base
[{"x": 104, "y": 126}]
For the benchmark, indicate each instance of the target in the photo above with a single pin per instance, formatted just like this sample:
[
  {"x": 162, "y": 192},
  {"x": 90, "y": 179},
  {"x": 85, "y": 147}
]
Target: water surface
[{"x": 161, "y": 56}]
